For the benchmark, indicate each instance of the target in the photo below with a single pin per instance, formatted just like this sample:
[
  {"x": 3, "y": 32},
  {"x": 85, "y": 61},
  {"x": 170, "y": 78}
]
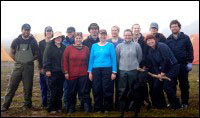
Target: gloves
[{"x": 189, "y": 66}]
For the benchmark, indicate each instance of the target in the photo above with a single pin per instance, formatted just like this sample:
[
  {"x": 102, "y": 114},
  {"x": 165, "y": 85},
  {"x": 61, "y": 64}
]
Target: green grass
[{"x": 16, "y": 106}]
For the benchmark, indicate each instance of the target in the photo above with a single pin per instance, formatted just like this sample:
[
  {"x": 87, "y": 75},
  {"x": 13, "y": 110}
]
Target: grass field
[{"x": 16, "y": 106}]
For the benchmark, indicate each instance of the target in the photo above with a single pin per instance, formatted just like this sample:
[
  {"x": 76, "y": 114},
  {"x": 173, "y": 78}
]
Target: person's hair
[
  {"x": 78, "y": 34},
  {"x": 150, "y": 36},
  {"x": 134, "y": 25},
  {"x": 116, "y": 27},
  {"x": 175, "y": 22},
  {"x": 128, "y": 30}
]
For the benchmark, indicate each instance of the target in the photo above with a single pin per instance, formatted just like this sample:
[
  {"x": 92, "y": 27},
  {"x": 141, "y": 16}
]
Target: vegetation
[{"x": 16, "y": 106}]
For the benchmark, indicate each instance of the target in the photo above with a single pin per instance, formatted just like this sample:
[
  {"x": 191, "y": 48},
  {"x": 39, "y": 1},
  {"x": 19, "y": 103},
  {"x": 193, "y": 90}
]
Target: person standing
[
  {"x": 53, "y": 71},
  {"x": 93, "y": 38},
  {"x": 139, "y": 38},
  {"x": 115, "y": 40},
  {"x": 154, "y": 31},
  {"x": 48, "y": 33},
  {"x": 102, "y": 71},
  {"x": 24, "y": 50},
  {"x": 129, "y": 56},
  {"x": 75, "y": 63},
  {"x": 93, "y": 29},
  {"x": 68, "y": 40},
  {"x": 182, "y": 48}
]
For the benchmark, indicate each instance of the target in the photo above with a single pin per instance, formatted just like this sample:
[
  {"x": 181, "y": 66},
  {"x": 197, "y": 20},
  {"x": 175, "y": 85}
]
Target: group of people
[{"x": 109, "y": 67}]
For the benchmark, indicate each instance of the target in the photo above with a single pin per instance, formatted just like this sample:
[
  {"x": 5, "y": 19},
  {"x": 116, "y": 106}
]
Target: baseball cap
[
  {"x": 26, "y": 26},
  {"x": 70, "y": 29}
]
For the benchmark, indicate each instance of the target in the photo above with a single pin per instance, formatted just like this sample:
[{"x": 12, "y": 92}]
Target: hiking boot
[
  {"x": 99, "y": 112},
  {"x": 184, "y": 106},
  {"x": 3, "y": 109},
  {"x": 52, "y": 112},
  {"x": 106, "y": 111},
  {"x": 87, "y": 107},
  {"x": 59, "y": 111}
]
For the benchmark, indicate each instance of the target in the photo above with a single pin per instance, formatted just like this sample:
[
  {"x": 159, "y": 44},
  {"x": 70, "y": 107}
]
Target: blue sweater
[{"x": 103, "y": 56}]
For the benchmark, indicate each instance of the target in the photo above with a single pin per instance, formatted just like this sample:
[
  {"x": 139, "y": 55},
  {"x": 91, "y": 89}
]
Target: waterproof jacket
[
  {"x": 161, "y": 59},
  {"x": 181, "y": 47},
  {"x": 53, "y": 57}
]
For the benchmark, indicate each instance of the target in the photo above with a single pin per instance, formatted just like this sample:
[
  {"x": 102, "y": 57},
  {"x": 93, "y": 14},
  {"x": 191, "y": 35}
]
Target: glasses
[
  {"x": 49, "y": 31},
  {"x": 127, "y": 35}
]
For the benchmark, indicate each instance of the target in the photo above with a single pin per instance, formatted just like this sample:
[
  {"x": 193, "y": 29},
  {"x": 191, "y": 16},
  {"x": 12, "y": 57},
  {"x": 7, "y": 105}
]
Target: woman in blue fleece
[{"x": 102, "y": 71}]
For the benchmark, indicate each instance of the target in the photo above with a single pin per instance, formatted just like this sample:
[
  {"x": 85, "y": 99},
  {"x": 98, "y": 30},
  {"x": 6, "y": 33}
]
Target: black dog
[{"x": 138, "y": 93}]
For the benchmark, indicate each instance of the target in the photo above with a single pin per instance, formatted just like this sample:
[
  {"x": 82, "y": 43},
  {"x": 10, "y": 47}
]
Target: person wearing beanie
[
  {"x": 69, "y": 39},
  {"x": 24, "y": 50},
  {"x": 154, "y": 31},
  {"x": 161, "y": 61},
  {"x": 181, "y": 46},
  {"x": 48, "y": 33}
]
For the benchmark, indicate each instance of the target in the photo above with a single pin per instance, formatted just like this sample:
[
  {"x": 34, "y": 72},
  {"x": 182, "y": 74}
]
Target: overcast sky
[{"x": 61, "y": 15}]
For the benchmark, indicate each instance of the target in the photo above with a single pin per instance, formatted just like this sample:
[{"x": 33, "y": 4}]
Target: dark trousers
[
  {"x": 80, "y": 84},
  {"x": 169, "y": 86},
  {"x": 103, "y": 88},
  {"x": 158, "y": 98},
  {"x": 156, "y": 92},
  {"x": 55, "y": 91},
  {"x": 43, "y": 89},
  {"x": 24, "y": 73},
  {"x": 183, "y": 83},
  {"x": 116, "y": 92},
  {"x": 126, "y": 82}
]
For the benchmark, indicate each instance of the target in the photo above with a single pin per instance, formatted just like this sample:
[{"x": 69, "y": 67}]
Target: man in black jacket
[
  {"x": 154, "y": 31},
  {"x": 93, "y": 38},
  {"x": 48, "y": 33},
  {"x": 182, "y": 48},
  {"x": 160, "y": 38},
  {"x": 139, "y": 38}
]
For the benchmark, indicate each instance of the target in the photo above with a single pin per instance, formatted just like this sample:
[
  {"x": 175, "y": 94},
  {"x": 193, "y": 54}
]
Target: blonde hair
[{"x": 116, "y": 27}]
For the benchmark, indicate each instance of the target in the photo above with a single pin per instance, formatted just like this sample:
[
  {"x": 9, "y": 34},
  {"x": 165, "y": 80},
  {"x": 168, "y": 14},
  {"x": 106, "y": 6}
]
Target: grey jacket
[{"x": 129, "y": 55}]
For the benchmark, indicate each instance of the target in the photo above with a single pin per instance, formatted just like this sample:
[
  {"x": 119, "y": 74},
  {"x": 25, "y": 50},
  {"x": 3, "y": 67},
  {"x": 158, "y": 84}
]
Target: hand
[
  {"x": 189, "y": 66},
  {"x": 144, "y": 67},
  {"x": 113, "y": 76},
  {"x": 162, "y": 74},
  {"x": 67, "y": 76},
  {"x": 90, "y": 76},
  {"x": 48, "y": 74}
]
